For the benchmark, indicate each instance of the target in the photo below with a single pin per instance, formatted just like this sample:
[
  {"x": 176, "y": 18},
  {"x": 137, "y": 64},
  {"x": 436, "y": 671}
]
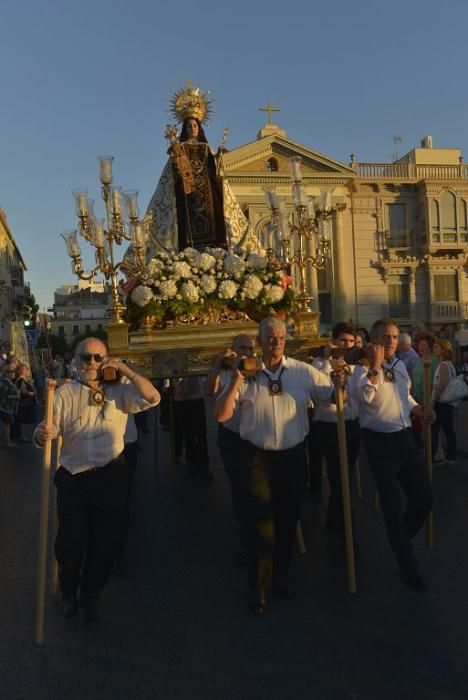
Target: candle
[
  {"x": 296, "y": 173},
  {"x": 270, "y": 236},
  {"x": 98, "y": 233},
  {"x": 105, "y": 170},
  {"x": 138, "y": 236},
  {"x": 116, "y": 195},
  {"x": 299, "y": 195},
  {"x": 311, "y": 207}
]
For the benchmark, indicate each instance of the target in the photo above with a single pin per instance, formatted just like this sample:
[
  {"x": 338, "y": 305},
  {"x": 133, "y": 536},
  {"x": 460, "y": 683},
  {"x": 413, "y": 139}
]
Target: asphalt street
[{"x": 177, "y": 626}]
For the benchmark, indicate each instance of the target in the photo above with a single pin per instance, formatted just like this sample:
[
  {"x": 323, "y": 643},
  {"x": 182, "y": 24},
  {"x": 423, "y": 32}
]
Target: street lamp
[{"x": 121, "y": 223}]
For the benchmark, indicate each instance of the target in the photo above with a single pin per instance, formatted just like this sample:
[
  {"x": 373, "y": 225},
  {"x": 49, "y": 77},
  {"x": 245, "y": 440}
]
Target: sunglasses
[{"x": 88, "y": 356}]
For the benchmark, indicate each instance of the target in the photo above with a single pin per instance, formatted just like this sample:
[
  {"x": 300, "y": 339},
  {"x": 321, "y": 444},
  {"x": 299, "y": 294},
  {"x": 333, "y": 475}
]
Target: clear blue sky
[{"x": 79, "y": 79}]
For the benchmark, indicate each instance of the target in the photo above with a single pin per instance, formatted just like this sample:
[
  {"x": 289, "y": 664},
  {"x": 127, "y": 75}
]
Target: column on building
[{"x": 340, "y": 302}]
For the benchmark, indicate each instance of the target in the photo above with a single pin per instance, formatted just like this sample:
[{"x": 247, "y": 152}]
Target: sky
[{"x": 81, "y": 79}]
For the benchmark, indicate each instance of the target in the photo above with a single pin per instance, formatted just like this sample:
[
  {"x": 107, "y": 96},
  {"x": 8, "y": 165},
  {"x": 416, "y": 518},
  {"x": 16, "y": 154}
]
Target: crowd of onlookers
[{"x": 22, "y": 390}]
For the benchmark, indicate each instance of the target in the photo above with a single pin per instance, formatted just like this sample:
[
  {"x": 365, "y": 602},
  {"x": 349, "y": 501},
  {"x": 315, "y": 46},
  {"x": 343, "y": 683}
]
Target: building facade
[
  {"x": 399, "y": 230},
  {"x": 80, "y": 308},
  {"x": 13, "y": 290}
]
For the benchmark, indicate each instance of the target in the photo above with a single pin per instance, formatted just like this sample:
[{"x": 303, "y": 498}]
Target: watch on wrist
[{"x": 373, "y": 372}]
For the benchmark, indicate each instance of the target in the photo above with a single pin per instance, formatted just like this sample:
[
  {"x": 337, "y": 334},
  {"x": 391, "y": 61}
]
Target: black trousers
[
  {"x": 329, "y": 444},
  {"x": 190, "y": 432},
  {"x": 130, "y": 454},
  {"x": 277, "y": 482},
  {"x": 397, "y": 464},
  {"x": 444, "y": 413},
  {"x": 235, "y": 455},
  {"x": 91, "y": 511}
]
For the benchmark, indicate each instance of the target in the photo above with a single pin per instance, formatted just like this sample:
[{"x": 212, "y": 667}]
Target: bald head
[{"x": 243, "y": 344}]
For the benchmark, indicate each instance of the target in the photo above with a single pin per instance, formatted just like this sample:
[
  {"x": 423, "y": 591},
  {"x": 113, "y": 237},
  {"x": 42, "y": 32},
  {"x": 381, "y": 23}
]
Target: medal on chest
[
  {"x": 389, "y": 372},
  {"x": 98, "y": 397},
  {"x": 275, "y": 386}
]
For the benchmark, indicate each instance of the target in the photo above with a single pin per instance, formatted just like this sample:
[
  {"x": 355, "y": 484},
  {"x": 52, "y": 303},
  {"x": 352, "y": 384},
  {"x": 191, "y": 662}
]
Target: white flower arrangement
[
  {"x": 142, "y": 295},
  {"x": 188, "y": 282}
]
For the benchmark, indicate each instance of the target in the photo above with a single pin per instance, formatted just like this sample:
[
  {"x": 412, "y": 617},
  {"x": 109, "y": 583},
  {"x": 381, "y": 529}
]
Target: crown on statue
[{"x": 190, "y": 101}]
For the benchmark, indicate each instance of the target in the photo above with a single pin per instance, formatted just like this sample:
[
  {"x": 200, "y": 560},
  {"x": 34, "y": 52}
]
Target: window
[
  {"x": 398, "y": 296},
  {"x": 435, "y": 215},
  {"x": 397, "y": 231},
  {"x": 76, "y": 330},
  {"x": 87, "y": 328},
  {"x": 99, "y": 326},
  {"x": 272, "y": 165},
  {"x": 445, "y": 287},
  {"x": 462, "y": 214},
  {"x": 325, "y": 306},
  {"x": 448, "y": 208},
  {"x": 61, "y": 330}
]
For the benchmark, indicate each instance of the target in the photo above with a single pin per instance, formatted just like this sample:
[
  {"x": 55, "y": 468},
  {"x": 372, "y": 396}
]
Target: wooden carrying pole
[
  {"x": 54, "y": 575},
  {"x": 44, "y": 517},
  {"x": 348, "y": 525},
  {"x": 428, "y": 442}
]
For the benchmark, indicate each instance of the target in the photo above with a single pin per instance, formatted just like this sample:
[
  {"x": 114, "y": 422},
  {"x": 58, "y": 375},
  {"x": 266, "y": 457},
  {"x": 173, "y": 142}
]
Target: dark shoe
[
  {"x": 119, "y": 569},
  {"x": 206, "y": 476},
  {"x": 256, "y": 602},
  {"x": 69, "y": 605},
  {"x": 416, "y": 581},
  {"x": 91, "y": 615},
  {"x": 281, "y": 588}
]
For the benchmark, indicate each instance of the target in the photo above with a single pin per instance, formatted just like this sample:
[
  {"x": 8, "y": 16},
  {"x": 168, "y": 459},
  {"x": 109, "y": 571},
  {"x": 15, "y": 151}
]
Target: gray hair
[
  {"x": 405, "y": 338},
  {"x": 270, "y": 322},
  {"x": 82, "y": 343}
]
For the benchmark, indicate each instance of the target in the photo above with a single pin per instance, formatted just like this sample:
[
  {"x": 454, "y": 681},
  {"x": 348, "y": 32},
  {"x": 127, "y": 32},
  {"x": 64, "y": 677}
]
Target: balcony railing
[
  {"x": 448, "y": 311},
  {"x": 410, "y": 171},
  {"x": 397, "y": 239}
]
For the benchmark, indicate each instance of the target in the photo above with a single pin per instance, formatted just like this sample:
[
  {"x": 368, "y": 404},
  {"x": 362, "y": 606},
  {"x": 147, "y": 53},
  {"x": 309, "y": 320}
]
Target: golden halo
[{"x": 190, "y": 101}]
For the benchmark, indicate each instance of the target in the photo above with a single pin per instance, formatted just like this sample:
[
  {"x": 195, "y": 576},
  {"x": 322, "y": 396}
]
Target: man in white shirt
[
  {"x": 272, "y": 409},
  {"x": 392, "y": 452},
  {"x": 325, "y": 420},
  {"x": 93, "y": 477}
]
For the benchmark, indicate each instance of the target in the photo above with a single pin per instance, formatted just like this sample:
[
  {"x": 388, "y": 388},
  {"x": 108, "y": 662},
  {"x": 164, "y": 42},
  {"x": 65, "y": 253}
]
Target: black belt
[{"x": 394, "y": 432}]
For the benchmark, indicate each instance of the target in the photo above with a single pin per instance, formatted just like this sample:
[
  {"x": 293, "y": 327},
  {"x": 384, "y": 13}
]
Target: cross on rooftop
[{"x": 269, "y": 108}]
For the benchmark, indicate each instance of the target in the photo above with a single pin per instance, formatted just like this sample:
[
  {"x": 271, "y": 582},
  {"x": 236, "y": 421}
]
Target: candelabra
[
  {"x": 104, "y": 234},
  {"x": 304, "y": 240}
]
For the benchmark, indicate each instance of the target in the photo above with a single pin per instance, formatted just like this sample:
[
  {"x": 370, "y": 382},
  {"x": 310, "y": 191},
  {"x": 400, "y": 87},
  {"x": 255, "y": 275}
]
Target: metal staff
[
  {"x": 44, "y": 517},
  {"x": 348, "y": 524},
  {"x": 173, "y": 428},
  {"x": 428, "y": 441}
]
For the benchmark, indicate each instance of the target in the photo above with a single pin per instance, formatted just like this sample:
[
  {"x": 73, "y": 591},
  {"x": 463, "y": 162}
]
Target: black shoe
[
  {"x": 91, "y": 615},
  {"x": 256, "y": 602},
  {"x": 281, "y": 588},
  {"x": 69, "y": 605},
  {"x": 416, "y": 581}
]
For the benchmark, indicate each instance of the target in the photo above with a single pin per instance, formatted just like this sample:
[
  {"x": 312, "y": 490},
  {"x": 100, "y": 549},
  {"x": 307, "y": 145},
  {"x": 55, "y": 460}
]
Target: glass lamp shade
[
  {"x": 73, "y": 248},
  {"x": 272, "y": 199},
  {"x": 98, "y": 233},
  {"x": 81, "y": 201},
  {"x": 138, "y": 236},
  {"x": 311, "y": 208},
  {"x": 131, "y": 197},
  {"x": 296, "y": 172},
  {"x": 105, "y": 169},
  {"x": 299, "y": 195},
  {"x": 116, "y": 199}
]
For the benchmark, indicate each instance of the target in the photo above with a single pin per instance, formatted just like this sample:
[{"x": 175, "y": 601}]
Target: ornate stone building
[
  {"x": 13, "y": 291},
  {"x": 400, "y": 236}
]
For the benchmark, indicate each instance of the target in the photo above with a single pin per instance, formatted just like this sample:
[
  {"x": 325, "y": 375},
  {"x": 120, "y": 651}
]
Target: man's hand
[
  {"x": 427, "y": 420},
  {"x": 43, "y": 433},
  {"x": 376, "y": 356}
]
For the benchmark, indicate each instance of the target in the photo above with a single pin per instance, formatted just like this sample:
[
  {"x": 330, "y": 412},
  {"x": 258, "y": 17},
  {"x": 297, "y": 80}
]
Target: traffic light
[{"x": 27, "y": 314}]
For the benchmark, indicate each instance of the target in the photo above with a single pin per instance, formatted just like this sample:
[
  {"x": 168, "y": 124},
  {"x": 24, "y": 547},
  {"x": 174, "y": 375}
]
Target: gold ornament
[{"x": 190, "y": 101}]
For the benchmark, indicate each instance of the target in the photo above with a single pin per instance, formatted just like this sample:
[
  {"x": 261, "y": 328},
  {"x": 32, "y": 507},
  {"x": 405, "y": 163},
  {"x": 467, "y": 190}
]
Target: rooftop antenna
[{"x": 397, "y": 139}]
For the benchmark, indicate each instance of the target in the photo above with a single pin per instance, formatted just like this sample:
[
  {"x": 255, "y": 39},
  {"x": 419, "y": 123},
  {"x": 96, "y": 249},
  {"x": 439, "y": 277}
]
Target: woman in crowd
[
  {"x": 444, "y": 411},
  {"x": 27, "y": 403},
  {"x": 424, "y": 343}
]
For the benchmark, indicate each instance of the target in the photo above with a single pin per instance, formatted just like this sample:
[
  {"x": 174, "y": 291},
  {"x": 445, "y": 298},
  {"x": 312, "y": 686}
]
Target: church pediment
[{"x": 271, "y": 156}]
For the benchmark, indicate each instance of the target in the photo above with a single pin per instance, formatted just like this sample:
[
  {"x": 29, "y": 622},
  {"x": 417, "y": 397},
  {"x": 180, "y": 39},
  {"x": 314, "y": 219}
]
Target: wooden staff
[
  {"x": 54, "y": 577},
  {"x": 300, "y": 539},
  {"x": 156, "y": 439},
  {"x": 172, "y": 433},
  {"x": 376, "y": 501},
  {"x": 44, "y": 517},
  {"x": 428, "y": 441},
  {"x": 358, "y": 480},
  {"x": 348, "y": 525}
]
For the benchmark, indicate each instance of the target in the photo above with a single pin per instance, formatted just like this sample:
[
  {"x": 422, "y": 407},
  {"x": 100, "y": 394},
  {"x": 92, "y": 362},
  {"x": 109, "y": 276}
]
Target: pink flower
[{"x": 286, "y": 282}]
